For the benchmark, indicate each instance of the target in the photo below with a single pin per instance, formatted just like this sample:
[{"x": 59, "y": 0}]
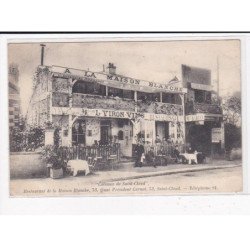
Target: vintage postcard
[{"x": 111, "y": 118}]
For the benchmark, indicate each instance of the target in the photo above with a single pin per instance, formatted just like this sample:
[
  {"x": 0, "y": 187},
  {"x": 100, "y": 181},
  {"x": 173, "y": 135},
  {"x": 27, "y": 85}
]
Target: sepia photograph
[{"x": 117, "y": 118}]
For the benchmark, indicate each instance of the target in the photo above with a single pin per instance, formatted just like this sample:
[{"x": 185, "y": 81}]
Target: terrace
[{"x": 195, "y": 107}]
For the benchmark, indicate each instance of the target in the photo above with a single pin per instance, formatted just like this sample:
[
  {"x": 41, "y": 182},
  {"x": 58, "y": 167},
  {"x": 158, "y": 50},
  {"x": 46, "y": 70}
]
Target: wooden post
[
  {"x": 222, "y": 136},
  {"x": 107, "y": 91},
  {"x": 184, "y": 117},
  {"x": 135, "y": 99},
  {"x": 160, "y": 96}
]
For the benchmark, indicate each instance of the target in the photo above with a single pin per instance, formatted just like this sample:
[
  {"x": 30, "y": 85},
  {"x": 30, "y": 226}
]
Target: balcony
[
  {"x": 103, "y": 102},
  {"x": 193, "y": 108},
  {"x": 114, "y": 103},
  {"x": 159, "y": 108}
]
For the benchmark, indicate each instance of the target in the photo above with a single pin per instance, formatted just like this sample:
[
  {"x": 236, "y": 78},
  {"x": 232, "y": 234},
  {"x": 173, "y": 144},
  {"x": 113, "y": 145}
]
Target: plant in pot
[{"x": 53, "y": 162}]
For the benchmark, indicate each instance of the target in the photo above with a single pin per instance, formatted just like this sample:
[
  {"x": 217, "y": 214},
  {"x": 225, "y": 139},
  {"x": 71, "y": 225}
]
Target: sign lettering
[
  {"x": 216, "y": 135},
  {"x": 118, "y": 114},
  {"x": 103, "y": 78}
]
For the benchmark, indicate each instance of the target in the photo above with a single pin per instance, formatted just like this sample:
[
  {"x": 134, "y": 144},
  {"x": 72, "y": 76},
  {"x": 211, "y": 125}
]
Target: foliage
[
  {"x": 28, "y": 139},
  {"x": 232, "y": 117},
  {"x": 232, "y": 109},
  {"x": 51, "y": 156},
  {"x": 41, "y": 75},
  {"x": 232, "y": 136},
  {"x": 16, "y": 139}
]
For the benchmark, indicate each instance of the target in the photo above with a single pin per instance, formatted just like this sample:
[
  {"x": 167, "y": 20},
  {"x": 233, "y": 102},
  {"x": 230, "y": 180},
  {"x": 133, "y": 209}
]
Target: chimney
[
  {"x": 42, "y": 53},
  {"x": 112, "y": 69}
]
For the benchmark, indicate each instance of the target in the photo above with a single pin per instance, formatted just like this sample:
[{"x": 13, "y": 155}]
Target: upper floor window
[
  {"x": 152, "y": 97},
  {"x": 83, "y": 87},
  {"x": 121, "y": 93},
  {"x": 202, "y": 96},
  {"x": 171, "y": 98}
]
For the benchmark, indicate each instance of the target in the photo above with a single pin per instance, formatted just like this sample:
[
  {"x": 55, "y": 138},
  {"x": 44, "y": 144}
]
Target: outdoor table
[{"x": 78, "y": 165}]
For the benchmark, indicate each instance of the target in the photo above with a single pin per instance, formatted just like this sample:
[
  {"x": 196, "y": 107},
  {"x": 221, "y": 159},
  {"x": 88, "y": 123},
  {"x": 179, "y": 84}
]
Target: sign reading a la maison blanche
[
  {"x": 112, "y": 80},
  {"x": 117, "y": 114}
]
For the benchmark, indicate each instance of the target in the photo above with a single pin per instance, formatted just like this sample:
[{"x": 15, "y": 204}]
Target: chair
[
  {"x": 111, "y": 161},
  {"x": 92, "y": 163}
]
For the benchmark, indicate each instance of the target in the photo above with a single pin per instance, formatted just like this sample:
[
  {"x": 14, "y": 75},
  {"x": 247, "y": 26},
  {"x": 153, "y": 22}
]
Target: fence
[
  {"x": 164, "y": 149},
  {"x": 103, "y": 153}
]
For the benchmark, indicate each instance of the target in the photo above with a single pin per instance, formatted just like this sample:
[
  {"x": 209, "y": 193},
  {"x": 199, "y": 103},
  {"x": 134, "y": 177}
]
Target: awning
[{"x": 201, "y": 86}]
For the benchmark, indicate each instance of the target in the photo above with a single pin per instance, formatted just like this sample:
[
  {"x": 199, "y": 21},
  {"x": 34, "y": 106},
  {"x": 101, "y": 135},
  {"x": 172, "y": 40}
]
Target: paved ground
[
  {"x": 216, "y": 176},
  {"x": 216, "y": 180}
]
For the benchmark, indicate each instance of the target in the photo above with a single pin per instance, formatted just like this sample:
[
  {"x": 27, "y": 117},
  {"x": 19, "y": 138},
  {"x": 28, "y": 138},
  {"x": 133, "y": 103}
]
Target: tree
[{"x": 231, "y": 106}]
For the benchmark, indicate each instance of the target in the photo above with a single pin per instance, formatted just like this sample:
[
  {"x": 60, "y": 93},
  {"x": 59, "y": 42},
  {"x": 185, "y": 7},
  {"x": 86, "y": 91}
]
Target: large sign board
[
  {"x": 216, "y": 135},
  {"x": 202, "y": 117},
  {"x": 103, "y": 113},
  {"x": 113, "y": 80},
  {"x": 195, "y": 118}
]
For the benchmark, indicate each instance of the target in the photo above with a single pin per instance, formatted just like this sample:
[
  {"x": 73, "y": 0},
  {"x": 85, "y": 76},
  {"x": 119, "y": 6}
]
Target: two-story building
[
  {"x": 88, "y": 107},
  {"x": 204, "y": 119}
]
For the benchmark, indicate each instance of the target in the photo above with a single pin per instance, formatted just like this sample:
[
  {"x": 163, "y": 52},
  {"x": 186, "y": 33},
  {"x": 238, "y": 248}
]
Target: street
[
  {"x": 222, "y": 180},
  {"x": 219, "y": 180}
]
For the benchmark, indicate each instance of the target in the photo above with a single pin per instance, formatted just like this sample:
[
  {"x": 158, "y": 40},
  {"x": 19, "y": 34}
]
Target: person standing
[
  {"x": 139, "y": 150},
  {"x": 151, "y": 157}
]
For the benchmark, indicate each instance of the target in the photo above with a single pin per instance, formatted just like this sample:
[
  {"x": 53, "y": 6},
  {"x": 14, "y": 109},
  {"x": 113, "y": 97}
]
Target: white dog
[{"x": 191, "y": 157}]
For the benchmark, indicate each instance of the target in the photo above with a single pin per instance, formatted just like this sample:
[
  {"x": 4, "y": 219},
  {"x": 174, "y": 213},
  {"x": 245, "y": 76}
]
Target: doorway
[
  {"x": 162, "y": 130},
  {"x": 105, "y": 133},
  {"x": 79, "y": 132},
  {"x": 199, "y": 137}
]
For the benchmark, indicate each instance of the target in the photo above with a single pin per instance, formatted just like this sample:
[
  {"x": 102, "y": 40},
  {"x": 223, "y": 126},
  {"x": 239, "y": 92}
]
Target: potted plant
[{"x": 53, "y": 162}]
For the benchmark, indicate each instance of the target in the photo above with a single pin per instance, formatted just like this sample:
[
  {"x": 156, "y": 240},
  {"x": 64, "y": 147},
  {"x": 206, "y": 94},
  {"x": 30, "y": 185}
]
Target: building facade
[
  {"x": 14, "y": 96},
  {"x": 85, "y": 108},
  {"x": 203, "y": 112},
  {"x": 89, "y": 107}
]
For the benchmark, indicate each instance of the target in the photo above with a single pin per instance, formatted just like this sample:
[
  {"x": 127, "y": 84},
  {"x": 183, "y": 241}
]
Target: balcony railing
[
  {"x": 114, "y": 103},
  {"x": 160, "y": 108},
  {"x": 193, "y": 108}
]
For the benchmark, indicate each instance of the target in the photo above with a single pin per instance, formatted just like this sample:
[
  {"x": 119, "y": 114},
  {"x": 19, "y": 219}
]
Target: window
[
  {"x": 115, "y": 92},
  {"x": 83, "y": 87},
  {"x": 78, "y": 132},
  {"x": 199, "y": 96},
  {"x": 171, "y": 98},
  {"x": 122, "y": 122},
  {"x": 128, "y": 94},
  {"x": 144, "y": 96},
  {"x": 120, "y": 135}
]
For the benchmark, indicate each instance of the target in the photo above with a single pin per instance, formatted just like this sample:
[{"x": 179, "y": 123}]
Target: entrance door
[
  {"x": 105, "y": 132},
  {"x": 125, "y": 136},
  {"x": 79, "y": 132},
  {"x": 199, "y": 136},
  {"x": 162, "y": 130}
]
